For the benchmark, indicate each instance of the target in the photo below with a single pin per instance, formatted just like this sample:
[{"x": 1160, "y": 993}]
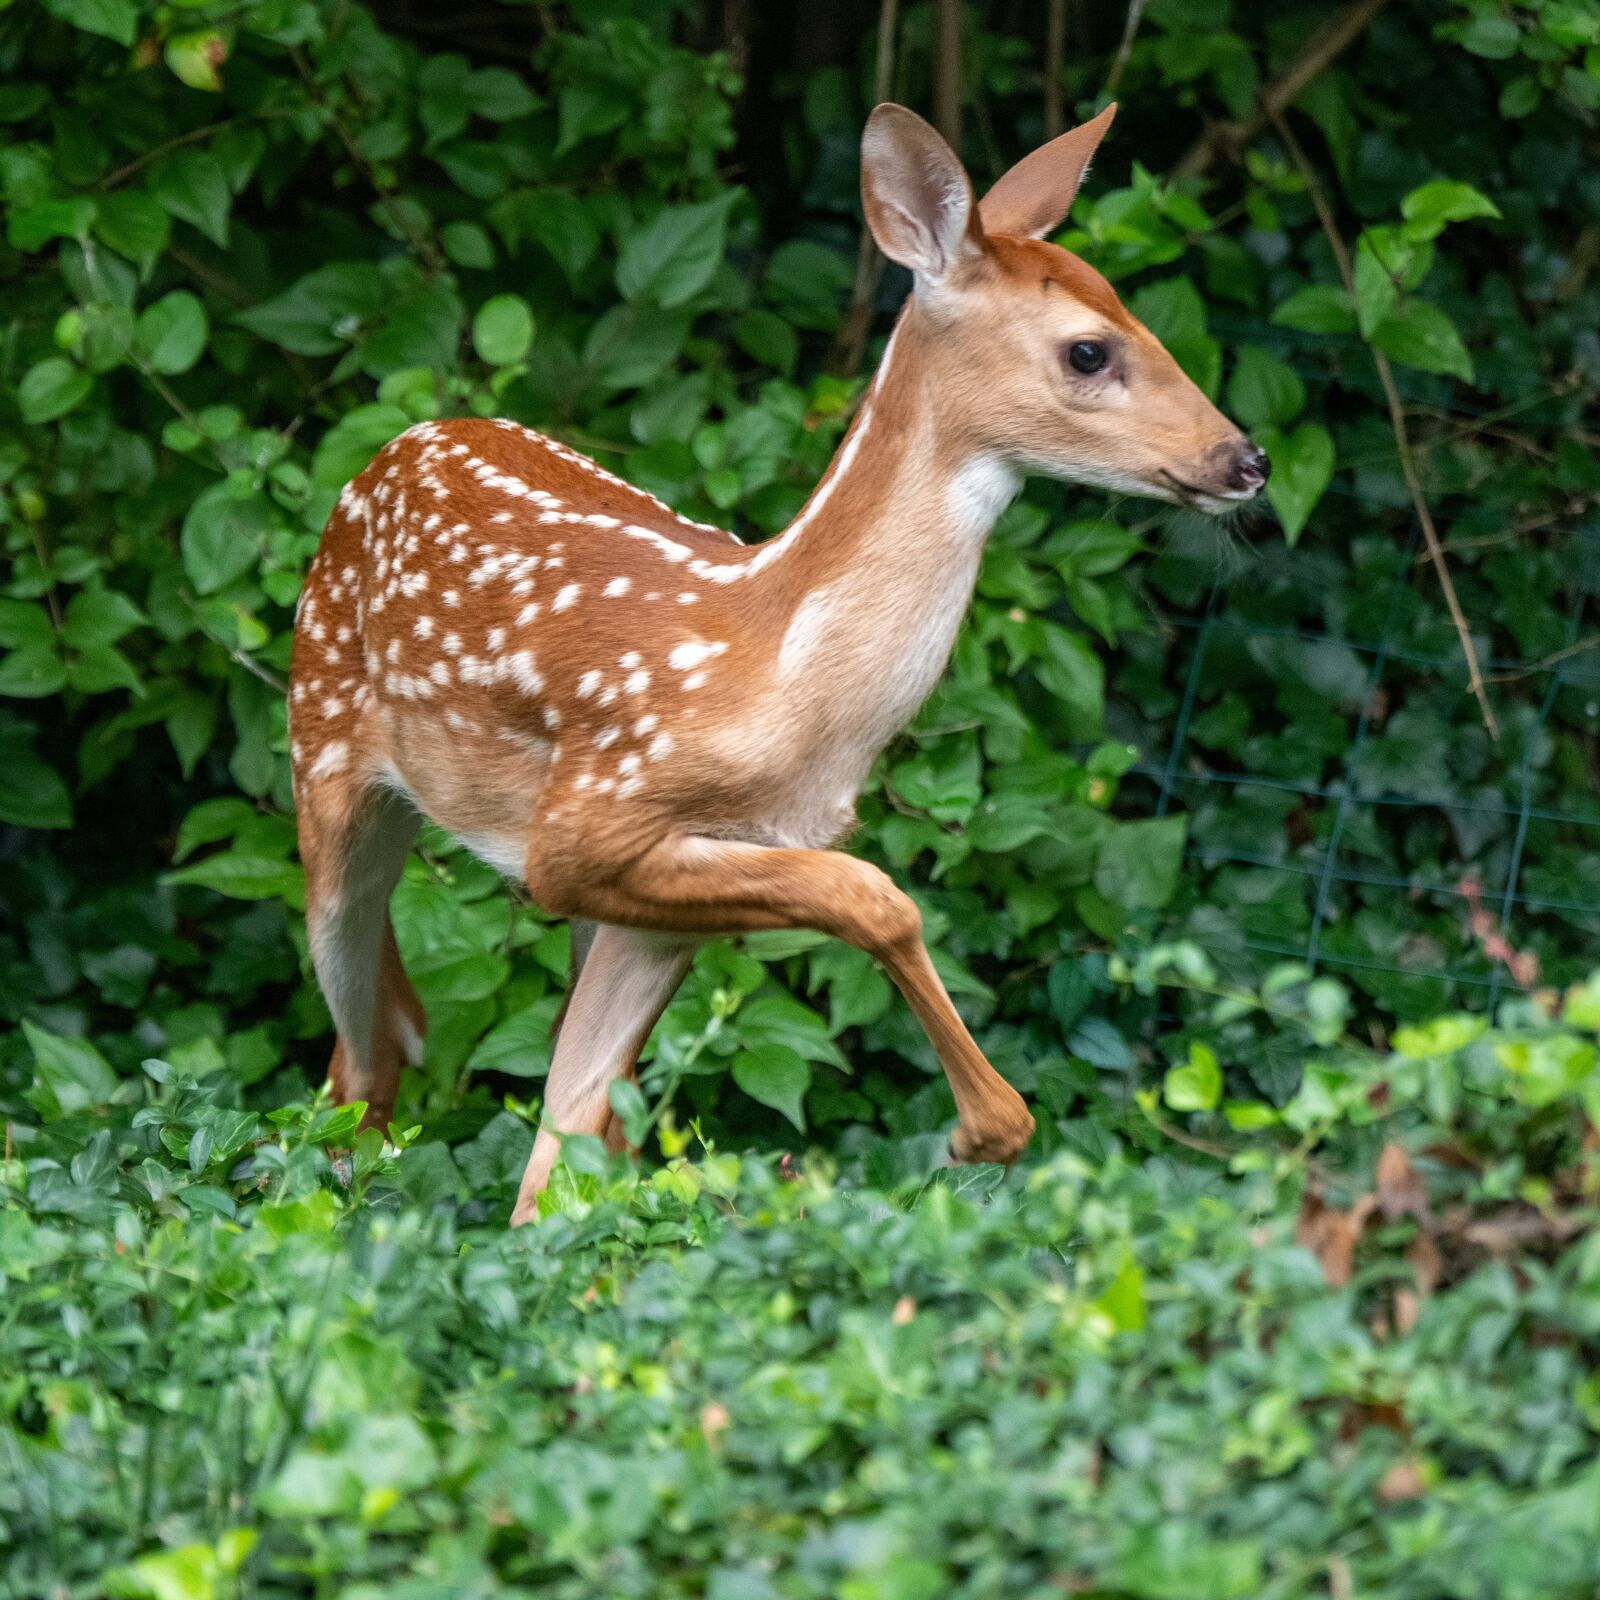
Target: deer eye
[{"x": 1087, "y": 356}]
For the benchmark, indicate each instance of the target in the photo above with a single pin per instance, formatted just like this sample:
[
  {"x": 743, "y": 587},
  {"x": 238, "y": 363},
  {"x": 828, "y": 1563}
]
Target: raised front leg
[
  {"x": 625, "y": 979},
  {"x": 688, "y": 884}
]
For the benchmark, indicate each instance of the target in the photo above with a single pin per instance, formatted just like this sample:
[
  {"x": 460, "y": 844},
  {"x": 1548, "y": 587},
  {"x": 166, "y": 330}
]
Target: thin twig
[
  {"x": 1130, "y": 31},
  {"x": 850, "y": 342},
  {"x": 418, "y": 240},
  {"x": 1055, "y": 52},
  {"x": 947, "y": 73},
  {"x": 1402, "y": 437},
  {"x": 1336, "y": 35}
]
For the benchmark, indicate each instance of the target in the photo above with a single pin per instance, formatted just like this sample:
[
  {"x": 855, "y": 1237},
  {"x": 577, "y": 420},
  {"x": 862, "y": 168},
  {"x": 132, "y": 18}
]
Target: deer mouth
[{"x": 1211, "y": 501}]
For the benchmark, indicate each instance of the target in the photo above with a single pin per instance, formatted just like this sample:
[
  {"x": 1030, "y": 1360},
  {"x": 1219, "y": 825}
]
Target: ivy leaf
[
  {"x": 1197, "y": 1085},
  {"x": 224, "y": 535},
  {"x": 1420, "y": 335},
  {"x": 776, "y": 1076},
  {"x": 1139, "y": 862},
  {"x": 73, "y": 1074},
  {"x": 1302, "y": 466},
  {"x": 194, "y": 57},
  {"x": 171, "y": 333},
  {"x": 321, "y": 313}
]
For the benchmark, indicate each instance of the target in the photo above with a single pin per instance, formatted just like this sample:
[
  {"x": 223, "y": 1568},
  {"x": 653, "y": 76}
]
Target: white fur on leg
[{"x": 627, "y": 979}]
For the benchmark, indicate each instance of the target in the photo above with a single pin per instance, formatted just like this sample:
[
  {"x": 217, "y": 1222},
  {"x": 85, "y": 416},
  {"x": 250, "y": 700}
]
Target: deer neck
[{"x": 873, "y": 577}]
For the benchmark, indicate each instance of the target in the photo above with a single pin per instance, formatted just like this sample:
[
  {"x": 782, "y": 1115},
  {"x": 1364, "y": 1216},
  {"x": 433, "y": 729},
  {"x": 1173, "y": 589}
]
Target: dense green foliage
[
  {"x": 246, "y": 244},
  {"x": 235, "y": 1370}
]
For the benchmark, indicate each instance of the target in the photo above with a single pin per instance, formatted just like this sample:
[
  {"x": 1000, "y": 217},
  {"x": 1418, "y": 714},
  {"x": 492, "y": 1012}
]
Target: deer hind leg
[
  {"x": 354, "y": 843},
  {"x": 583, "y": 933},
  {"x": 624, "y": 984},
  {"x": 703, "y": 886}
]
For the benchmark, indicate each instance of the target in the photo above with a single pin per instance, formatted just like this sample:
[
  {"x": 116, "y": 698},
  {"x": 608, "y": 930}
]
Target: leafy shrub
[{"x": 1347, "y": 1350}]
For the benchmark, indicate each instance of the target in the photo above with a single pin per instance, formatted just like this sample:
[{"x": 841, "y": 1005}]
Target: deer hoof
[{"x": 1000, "y": 1141}]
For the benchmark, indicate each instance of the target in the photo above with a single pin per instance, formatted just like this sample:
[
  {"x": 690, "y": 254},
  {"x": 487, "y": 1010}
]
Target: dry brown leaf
[
  {"x": 1399, "y": 1190},
  {"x": 905, "y": 1308},
  {"x": 1403, "y": 1481},
  {"x": 1407, "y": 1308},
  {"x": 1331, "y": 1235},
  {"x": 1426, "y": 1262}
]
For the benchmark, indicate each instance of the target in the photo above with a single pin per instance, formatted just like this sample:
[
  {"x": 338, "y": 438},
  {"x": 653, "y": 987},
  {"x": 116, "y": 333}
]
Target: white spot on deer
[
  {"x": 451, "y": 598},
  {"x": 527, "y": 613},
  {"x": 334, "y": 756},
  {"x": 440, "y": 673},
  {"x": 617, "y": 586},
  {"x": 659, "y": 747},
  {"x": 423, "y": 627},
  {"x": 502, "y": 516},
  {"x": 520, "y": 664},
  {"x": 494, "y": 638},
  {"x": 332, "y": 706},
  {"x": 692, "y": 652},
  {"x": 605, "y": 786},
  {"x": 392, "y": 654},
  {"x": 629, "y": 659},
  {"x": 629, "y": 763},
  {"x": 629, "y": 786},
  {"x": 567, "y": 597},
  {"x": 552, "y": 718},
  {"x": 587, "y": 684},
  {"x": 637, "y": 682},
  {"x": 695, "y": 680},
  {"x": 687, "y": 598},
  {"x": 646, "y": 724},
  {"x": 607, "y": 737}
]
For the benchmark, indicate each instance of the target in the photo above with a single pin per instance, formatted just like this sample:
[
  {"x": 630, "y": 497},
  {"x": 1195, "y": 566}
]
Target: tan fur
[{"x": 659, "y": 729}]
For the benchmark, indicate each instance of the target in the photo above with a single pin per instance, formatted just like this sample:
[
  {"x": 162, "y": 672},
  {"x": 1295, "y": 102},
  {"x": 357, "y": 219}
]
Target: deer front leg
[
  {"x": 624, "y": 982},
  {"x": 706, "y": 886}
]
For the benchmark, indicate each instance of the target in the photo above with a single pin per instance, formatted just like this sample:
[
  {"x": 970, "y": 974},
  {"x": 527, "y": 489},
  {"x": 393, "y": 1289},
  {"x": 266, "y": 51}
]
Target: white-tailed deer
[{"x": 659, "y": 730}]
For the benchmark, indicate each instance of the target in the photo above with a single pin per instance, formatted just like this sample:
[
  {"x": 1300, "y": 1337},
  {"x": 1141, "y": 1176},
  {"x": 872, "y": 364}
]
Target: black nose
[{"x": 1250, "y": 467}]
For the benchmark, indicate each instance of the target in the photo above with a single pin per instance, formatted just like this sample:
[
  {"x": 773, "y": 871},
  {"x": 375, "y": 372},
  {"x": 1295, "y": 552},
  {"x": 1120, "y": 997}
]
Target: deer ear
[
  {"x": 1035, "y": 195},
  {"x": 916, "y": 195}
]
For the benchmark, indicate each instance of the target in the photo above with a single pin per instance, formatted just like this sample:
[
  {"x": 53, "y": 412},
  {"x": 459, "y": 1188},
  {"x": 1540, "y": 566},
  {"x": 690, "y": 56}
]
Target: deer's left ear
[{"x": 1035, "y": 195}]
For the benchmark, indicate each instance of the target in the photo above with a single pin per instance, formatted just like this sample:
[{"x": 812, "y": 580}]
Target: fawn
[{"x": 661, "y": 731}]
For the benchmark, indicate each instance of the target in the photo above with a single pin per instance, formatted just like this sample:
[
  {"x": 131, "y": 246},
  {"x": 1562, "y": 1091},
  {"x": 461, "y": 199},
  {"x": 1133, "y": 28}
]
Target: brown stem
[
  {"x": 947, "y": 73},
  {"x": 1336, "y": 35},
  {"x": 850, "y": 342},
  {"x": 1055, "y": 51},
  {"x": 1402, "y": 437},
  {"x": 1130, "y": 32}
]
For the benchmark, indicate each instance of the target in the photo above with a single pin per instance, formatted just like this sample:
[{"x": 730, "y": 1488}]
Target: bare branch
[{"x": 1402, "y": 437}]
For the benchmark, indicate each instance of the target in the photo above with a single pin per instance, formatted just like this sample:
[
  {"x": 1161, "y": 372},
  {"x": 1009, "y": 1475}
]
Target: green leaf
[
  {"x": 73, "y": 1072},
  {"x": 502, "y": 330},
  {"x": 776, "y": 1076},
  {"x": 1139, "y": 863},
  {"x": 1421, "y": 335},
  {"x": 32, "y": 227},
  {"x": 353, "y": 441},
  {"x": 192, "y": 186},
  {"x": 1197, "y": 1085},
  {"x": 321, "y": 313},
  {"x": 1302, "y": 467},
  {"x": 1433, "y": 205},
  {"x": 1317, "y": 308},
  {"x": 32, "y": 794},
  {"x": 171, "y": 334},
  {"x": 673, "y": 256},
  {"x": 51, "y": 388},
  {"x": 114, "y": 19},
  {"x": 195, "y": 55},
  {"x": 1264, "y": 391},
  {"x": 244, "y": 877},
  {"x": 225, "y": 534},
  {"x": 134, "y": 225}
]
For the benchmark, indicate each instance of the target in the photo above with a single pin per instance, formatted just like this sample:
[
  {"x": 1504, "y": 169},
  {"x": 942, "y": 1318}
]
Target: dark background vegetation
[{"x": 1260, "y": 857}]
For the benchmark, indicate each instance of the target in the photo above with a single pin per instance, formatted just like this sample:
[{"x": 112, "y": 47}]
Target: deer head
[{"x": 1029, "y": 345}]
